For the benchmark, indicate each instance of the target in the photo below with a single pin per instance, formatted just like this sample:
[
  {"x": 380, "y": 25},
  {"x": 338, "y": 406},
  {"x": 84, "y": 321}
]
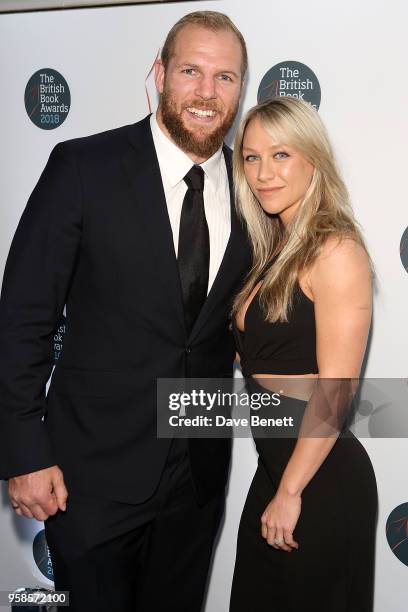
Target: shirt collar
[{"x": 175, "y": 163}]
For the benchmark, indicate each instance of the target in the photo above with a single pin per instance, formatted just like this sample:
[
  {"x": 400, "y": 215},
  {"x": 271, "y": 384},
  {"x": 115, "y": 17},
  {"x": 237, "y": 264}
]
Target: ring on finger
[{"x": 278, "y": 541}]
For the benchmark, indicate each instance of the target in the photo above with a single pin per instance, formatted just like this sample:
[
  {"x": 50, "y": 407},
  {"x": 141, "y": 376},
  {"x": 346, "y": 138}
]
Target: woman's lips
[{"x": 269, "y": 189}]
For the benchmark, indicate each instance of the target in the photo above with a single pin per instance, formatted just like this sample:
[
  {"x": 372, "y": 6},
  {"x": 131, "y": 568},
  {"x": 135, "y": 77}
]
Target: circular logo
[
  {"x": 47, "y": 99},
  {"x": 290, "y": 79},
  {"x": 42, "y": 556},
  {"x": 397, "y": 532},
  {"x": 404, "y": 249}
]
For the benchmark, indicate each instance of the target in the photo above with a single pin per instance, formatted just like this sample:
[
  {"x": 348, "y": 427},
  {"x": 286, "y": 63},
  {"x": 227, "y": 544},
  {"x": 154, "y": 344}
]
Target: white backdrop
[{"x": 358, "y": 52}]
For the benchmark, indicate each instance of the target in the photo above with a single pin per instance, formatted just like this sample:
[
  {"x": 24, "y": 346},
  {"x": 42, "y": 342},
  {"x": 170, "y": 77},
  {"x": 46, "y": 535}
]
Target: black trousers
[
  {"x": 333, "y": 569},
  {"x": 119, "y": 557}
]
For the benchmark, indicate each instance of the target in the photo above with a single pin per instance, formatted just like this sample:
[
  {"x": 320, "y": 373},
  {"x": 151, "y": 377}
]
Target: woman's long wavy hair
[{"x": 324, "y": 211}]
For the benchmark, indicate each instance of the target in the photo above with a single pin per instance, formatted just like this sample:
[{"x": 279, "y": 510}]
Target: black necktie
[{"x": 193, "y": 247}]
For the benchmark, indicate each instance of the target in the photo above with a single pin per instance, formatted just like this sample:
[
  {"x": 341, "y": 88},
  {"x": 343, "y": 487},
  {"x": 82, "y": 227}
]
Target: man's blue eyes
[{"x": 192, "y": 71}]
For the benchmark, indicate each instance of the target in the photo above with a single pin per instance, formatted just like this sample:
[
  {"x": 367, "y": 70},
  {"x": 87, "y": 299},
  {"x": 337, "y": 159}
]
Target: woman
[{"x": 301, "y": 321}]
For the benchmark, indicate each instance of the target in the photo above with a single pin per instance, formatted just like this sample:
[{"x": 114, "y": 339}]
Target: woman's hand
[{"x": 279, "y": 520}]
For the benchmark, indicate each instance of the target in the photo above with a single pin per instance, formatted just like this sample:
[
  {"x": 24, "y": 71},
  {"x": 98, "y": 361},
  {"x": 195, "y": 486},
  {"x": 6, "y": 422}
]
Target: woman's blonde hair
[{"x": 324, "y": 211}]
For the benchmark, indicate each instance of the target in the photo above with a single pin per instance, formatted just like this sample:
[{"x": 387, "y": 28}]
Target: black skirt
[{"x": 333, "y": 569}]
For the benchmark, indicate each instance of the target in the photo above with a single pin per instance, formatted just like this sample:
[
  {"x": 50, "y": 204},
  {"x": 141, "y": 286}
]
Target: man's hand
[{"x": 38, "y": 494}]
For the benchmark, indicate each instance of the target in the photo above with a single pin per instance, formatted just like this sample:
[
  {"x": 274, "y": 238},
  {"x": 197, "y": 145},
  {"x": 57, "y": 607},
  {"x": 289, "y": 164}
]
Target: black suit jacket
[{"x": 96, "y": 236}]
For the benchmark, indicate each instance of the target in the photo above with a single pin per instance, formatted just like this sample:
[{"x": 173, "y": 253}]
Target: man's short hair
[{"x": 211, "y": 20}]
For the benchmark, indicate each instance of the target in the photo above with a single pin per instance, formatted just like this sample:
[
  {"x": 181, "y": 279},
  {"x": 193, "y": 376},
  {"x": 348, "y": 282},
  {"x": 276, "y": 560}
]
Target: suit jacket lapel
[
  {"x": 143, "y": 171},
  {"x": 228, "y": 268}
]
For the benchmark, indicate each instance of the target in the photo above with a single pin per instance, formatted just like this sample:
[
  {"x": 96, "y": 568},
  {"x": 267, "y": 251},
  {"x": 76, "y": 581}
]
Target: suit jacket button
[{"x": 188, "y": 350}]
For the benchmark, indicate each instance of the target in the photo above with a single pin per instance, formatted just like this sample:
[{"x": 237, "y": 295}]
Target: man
[{"x": 135, "y": 231}]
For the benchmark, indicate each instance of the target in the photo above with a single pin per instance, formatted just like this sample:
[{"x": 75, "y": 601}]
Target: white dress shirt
[{"x": 174, "y": 165}]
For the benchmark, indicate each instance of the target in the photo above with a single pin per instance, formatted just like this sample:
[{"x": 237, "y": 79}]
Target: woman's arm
[{"x": 340, "y": 281}]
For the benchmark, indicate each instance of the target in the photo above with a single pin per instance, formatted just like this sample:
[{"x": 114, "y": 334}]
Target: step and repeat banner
[{"x": 71, "y": 73}]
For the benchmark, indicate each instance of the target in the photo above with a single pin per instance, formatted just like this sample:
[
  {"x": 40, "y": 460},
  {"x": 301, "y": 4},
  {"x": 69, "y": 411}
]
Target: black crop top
[{"x": 280, "y": 347}]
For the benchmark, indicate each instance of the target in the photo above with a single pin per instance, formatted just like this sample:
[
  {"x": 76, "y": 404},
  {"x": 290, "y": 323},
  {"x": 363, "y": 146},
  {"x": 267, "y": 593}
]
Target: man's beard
[{"x": 186, "y": 139}]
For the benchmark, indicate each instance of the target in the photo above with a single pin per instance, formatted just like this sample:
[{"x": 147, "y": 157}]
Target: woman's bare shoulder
[{"x": 343, "y": 264}]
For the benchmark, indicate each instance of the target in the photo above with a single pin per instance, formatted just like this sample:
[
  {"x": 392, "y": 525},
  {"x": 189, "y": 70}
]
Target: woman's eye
[
  {"x": 281, "y": 155},
  {"x": 250, "y": 158}
]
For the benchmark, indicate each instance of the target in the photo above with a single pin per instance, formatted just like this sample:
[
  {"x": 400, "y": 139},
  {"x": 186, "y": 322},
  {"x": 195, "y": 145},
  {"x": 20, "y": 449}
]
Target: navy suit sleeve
[{"x": 36, "y": 281}]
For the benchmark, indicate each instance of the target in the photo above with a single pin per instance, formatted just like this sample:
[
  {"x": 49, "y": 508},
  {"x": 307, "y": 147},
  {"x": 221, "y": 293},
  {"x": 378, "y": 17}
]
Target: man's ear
[{"x": 159, "y": 75}]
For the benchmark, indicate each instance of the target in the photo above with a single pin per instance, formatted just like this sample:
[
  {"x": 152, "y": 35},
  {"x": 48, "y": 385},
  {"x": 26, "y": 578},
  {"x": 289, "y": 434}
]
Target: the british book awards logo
[
  {"x": 47, "y": 99},
  {"x": 290, "y": 79},
  {"x": 59, "y": 339},
  {"x": 42, "y": 555},
  {"x": 397, "y": 532},
  {"x": 404, "y": 249}
]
